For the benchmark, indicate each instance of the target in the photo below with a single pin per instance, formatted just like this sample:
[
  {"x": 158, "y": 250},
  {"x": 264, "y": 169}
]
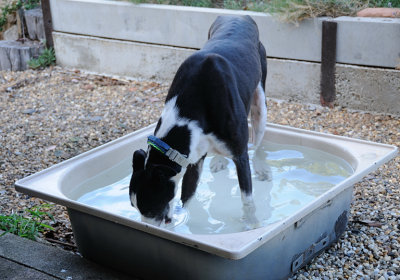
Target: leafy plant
[
  {"x": 6, "y": 10},
  {"x": 192, "y": 3},
  {"x": 47, "y": 58},
  {"x": 27, "y": 224},
  {"x": 385, "y": 3},
  {"x": 30, "y": 4},
  {"x": 297, "y": 10},
  {"x": 287, "y": 10},
  {"x": 12, "y": 8}
]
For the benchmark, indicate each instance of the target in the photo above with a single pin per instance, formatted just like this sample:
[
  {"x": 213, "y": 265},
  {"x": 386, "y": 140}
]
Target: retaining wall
[{"x": 151, "y": 41}]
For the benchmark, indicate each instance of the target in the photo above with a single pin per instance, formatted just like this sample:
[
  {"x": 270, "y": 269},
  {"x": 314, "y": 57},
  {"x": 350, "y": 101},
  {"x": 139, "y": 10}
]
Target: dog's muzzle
[{"x": 156, "y": 222}]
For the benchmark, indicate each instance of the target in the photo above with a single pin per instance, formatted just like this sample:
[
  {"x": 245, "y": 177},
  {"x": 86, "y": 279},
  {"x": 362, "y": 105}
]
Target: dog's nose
[{"x": 167, "y": 220}]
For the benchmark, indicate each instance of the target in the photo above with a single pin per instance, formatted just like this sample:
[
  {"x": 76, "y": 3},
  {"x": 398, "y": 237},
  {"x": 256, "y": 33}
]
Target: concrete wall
[
  {"x": 367, "y": 89},
  {"x": 187, "y": 27},
  {"x": 116, "y": 57},
  {"x": 151, "y": 41}
]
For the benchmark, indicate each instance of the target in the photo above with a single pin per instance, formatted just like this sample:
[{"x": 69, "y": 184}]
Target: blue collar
[{"x": 166, "y": 150}]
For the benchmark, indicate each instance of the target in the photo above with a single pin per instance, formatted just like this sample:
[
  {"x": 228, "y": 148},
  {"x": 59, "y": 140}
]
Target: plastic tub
[{"x": 275, "y": 251}]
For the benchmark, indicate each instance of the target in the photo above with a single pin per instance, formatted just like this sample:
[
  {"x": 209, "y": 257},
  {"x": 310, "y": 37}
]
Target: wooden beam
[
  {"x": 328, "y": 63},
  {"x": 48, "y": 24}
]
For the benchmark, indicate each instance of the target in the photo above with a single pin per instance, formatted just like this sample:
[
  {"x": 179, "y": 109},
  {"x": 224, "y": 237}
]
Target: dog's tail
[{"x": 263, "y": 60}]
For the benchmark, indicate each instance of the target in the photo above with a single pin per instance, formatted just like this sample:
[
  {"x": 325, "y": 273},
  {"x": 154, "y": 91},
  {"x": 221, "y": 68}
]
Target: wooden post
[
  {"x": 48, "y": 24},
  {"x": 328, "y": 63}
]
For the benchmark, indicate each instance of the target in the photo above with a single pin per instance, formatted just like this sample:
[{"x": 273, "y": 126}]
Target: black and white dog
[{"x": 205, "y": 111}]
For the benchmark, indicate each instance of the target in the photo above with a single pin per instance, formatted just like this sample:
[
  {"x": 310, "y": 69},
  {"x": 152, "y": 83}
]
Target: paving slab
[
  {"x": 21, "y": 258},
  {"x": 12, "y": 270}
]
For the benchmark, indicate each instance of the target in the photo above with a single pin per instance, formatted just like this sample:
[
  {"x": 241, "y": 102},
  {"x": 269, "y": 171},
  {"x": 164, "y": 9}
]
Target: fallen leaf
[
  {"x": 50, "y": 148},
  {"x": 88, "y": 87},
  {"x": 154, "y": 99}
]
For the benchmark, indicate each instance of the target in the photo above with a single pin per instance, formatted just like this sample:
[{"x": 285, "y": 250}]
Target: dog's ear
[{"x": 138, "y": 160}]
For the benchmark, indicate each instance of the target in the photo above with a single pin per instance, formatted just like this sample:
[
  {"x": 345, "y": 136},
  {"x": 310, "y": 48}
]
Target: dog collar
[{"x": 165, "y": 149}]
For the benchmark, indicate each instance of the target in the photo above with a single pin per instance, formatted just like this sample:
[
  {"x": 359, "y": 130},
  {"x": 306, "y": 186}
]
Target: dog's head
[{"x": 151, "y": 189}]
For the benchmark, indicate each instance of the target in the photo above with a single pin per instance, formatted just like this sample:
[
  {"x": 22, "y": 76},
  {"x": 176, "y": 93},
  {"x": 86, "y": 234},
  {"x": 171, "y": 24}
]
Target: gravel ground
[{"x": 54, "y": 114}]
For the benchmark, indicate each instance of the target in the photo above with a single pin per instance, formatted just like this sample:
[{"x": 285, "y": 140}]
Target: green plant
[
  {"x": 6, "y": 10},
  {"x": 287, "y": 10},
  {"x": 385, "y": 3},
  {"x": 193, "y": 3},
  {"x": 47, "y": 58},
  {"x": 12, "y": 8},
  {"x": 297, "y": 10},
  {"x": 27, "y": 224},
  {"x": 30, "y": 4}
]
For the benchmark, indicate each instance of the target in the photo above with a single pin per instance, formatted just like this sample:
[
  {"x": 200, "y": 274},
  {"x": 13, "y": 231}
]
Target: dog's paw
[
  {"x": 261, "y": 168},
  {"x": 249, "y": 225},
  {"x": 249, "y": 219},
  {"x": 218, "y": 163}
]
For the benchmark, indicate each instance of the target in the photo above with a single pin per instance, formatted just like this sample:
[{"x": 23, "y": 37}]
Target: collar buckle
[{"x": 165, "y": 149}]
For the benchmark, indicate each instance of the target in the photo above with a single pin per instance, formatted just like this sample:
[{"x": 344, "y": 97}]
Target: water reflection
[{"x": 299, "y": 175}]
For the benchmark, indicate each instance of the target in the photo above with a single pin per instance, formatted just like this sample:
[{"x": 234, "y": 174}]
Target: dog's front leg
[
  {"x": 245, "y": 184},
  {"x": 191, "y": 179}
]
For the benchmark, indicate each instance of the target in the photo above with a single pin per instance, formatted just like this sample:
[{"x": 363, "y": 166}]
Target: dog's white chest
[{"x": 200, "y": 143}]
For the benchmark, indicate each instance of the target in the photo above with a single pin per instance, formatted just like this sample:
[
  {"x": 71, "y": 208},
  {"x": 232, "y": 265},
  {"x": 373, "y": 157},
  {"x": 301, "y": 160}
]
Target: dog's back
[{"x": 226, "y": 71}]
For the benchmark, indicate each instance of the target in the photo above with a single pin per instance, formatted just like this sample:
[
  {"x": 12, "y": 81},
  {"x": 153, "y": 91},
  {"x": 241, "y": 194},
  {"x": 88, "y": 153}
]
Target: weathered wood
[
  {"x": 48, "y": 24},
  {"x": 34, "y": 24},
  {"x": 14, "y": 55},
  {"x": 328, "y": 63},
  {"x": 21, "y": 23}
]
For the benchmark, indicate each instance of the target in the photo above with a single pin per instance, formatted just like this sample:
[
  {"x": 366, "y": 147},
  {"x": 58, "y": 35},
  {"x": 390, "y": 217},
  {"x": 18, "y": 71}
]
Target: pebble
[
  {"x": 96, "y": 118},
  {"x": 56, "y": 114},
  {"x": 29, "y": 111}
]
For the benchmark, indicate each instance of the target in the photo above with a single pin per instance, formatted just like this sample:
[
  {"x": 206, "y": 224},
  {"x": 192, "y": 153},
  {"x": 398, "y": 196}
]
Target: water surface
[{"x": 299, "y": 176}]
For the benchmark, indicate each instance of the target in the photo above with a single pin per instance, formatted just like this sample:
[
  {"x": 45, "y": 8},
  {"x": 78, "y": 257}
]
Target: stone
[
  {"x": 29, "y": 111},
  {"x": 11, "y": 33},
  {"x": 379, "y": 12}
]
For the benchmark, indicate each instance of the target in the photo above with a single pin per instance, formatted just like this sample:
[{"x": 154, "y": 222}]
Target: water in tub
[{"x": 299, "y": 175}]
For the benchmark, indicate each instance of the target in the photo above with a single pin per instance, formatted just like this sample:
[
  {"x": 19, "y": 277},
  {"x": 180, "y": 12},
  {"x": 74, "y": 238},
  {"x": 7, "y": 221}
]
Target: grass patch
[
  {"x": 29, "y": 223},
  {"x": 47, "y": 58},
  {"x": 287, "y": 10},
  {"x": 191, "y": 3},
  {"x": 297, "y": 10}
]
